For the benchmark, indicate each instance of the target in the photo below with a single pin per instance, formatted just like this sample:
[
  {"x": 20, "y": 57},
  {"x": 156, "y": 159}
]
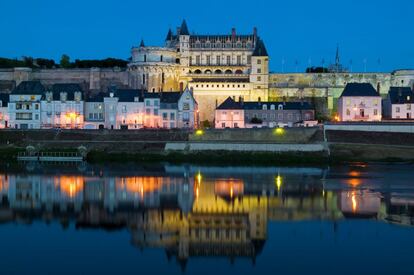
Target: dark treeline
[
  {"x": 317, "y": 70},
  {"x": 43, "y": 63}
]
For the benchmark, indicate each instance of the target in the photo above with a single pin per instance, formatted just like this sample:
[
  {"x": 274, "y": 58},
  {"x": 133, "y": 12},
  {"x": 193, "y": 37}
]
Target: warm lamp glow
[
  {"x": 199, "y": 132},
  {"x": 279, "y": 131}
]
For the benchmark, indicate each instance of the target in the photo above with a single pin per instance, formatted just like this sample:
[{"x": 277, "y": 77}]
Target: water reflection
[{"x": 201, "y": 211}]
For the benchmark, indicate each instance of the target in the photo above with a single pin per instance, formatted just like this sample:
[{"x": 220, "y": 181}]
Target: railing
[{"x": 50, "y": 156}]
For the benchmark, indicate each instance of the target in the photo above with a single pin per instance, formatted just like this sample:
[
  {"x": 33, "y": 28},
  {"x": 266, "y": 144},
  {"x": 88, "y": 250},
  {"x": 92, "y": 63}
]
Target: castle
[{"x": 214, "y": 67}]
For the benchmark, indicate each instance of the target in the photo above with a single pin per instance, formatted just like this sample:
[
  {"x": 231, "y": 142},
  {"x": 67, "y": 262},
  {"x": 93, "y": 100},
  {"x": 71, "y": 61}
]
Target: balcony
[{"x": 361, "y": 118}]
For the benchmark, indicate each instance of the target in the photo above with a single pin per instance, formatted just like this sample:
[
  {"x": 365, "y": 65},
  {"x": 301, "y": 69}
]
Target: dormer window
[
  {"x": 408, "y": 98},
  {"x": 280, "y": 107},
  {"x": 264, "y": 107},
  {"x": 63, "y": 97},
  {"x": 78, "y": 96},
  {"x": 272, "y": 107}
]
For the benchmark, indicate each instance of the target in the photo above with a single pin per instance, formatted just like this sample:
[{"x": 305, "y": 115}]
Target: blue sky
[{"x": 302, "y": 30}]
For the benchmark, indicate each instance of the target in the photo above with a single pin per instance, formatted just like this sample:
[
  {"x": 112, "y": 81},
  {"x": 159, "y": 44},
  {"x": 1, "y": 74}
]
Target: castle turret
[
  {"x": 184, "y": 46},
  {"x": 259, "y": 75}
]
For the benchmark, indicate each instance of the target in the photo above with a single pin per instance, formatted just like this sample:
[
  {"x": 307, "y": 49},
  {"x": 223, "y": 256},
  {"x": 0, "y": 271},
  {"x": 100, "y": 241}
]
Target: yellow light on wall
[
  {"x": 199, "y": 132},
  {"x": 279, "y": 131},
  {"x": 278, "y": 182}
]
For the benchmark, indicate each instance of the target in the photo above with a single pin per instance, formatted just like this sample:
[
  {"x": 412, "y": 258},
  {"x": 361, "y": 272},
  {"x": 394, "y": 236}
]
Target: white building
[
  {"x": 229, "y": 114},
  {"x": 4, "y": 114},
  {"x": 359, "y": 102},
  {"x": 63, "y": 107},
  {"x": 94, "y": 110},
  {"x": 399, "y": 103},
  {"x": 24, "y": 105}
]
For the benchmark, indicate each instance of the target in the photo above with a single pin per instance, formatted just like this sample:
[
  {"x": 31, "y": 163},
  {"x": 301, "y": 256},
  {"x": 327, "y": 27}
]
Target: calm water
[{"x": 131, "y": 219}]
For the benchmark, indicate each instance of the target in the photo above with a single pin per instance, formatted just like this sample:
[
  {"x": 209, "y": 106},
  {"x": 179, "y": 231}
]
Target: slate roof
[
  {"x": 230, "y": 104},
  {"x": 184, "y": 29},
  {"x": 128, "y": 95},
  {"x": 169, "y": 35},
  {"x": 97, "y": 98},
  {"x": 286, "y": 105},
  {"x": 151, "y": 95},
  {"x": 69, "y": 88},
  {"x": 359, "y": 89},
  {"x": 4, "y": 98},
  {"x": 170, "y": 97},
  {"x": 260, "y": 49},
  {"x": 29, "y": 88},
  {"x": 401, "y": 95}
]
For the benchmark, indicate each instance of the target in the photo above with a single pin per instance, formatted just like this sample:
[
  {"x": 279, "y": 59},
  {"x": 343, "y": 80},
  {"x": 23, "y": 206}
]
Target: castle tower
[
  {"x": 259, "y": 75},
  {"x": 184, "y": 46}
]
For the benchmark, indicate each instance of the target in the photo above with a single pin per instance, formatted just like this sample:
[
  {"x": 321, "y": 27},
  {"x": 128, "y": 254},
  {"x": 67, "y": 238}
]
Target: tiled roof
[
  {"x": 69, "y": 88},
  {"x": 230, "y": 104},
  {"x": 29, "y": 88},
  {"x": 286, "y": 105},
  {"x": 4, "y": 98},
  {"x": 401, "y": 95},
  {"x": 359, "y": 89}
]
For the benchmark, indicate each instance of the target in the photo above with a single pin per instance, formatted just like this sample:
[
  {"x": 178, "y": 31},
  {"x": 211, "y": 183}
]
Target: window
[
  {"x": 156, "y": 103},
  {"x": 36, "y": 106},
  {"x": 239, "y": 58},
  {"x": 208, "y": 60},
  {"x": 218, "y": 59},
  {"x": 197, "y": 60},
  {"x": 408, "y": 106},
  {"x": 348, "y": 112},
  {"x": 172, "y": 125},
  {"x": 375, "y": 112},
  {"x": 186, "y": 116},
  {"x": 348, "y": 102},
  {"x": 280, "y": 107},
  {"x": 164, "y": 116},
  {"x": 259, "y": 78},
  {"x": 172, "y": 116},
  {"x": 90, "y": 116},
  {"x": 223, "y": 125},
  {"x": 148, "y": 111},
  {"x": 100, "y": 115},
  {"x": 156, "y": 112},
  {"x": 259, "y": 61},
  {"x": 147, "y": 102},
  {"x": 228, "y": 60},
  {"x": 397, "y": 109},
  {"x": 124, "y": 108},
  {"x": 264, "y": 107},
  {"x": 272, "y": 107},
  {"x": 259, "y": 71},
  {"x": 236, "y": 125}
]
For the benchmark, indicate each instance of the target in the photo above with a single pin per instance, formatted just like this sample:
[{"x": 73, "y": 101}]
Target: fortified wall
[{"x": 94, "y": 79}]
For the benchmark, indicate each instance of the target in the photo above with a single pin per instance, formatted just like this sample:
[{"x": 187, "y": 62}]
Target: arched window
[
  {"x": 280, "y": 107},
  {"x": 207, "y": 71},
  {"x": 218, "y": 72},
  {"x": 197, "y": 71},
  {"x": 272, "y": 107},
  {"x": 264, "y": 107},
  {"x": 228, "y": 72},
  {"x": 239, "y": 72}
]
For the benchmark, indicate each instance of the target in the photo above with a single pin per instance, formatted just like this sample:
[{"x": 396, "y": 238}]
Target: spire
[
  {"x": 184, "y": 29},
  {"x": 142, "y": 44},
  {"x": 337, "y": 61},
  {"x": 260, "y": 49},
  {"x": 169, "y": 35}
]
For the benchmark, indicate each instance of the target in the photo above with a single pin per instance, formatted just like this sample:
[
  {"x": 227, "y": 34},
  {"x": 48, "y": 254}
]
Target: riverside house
[
  {"x": 359, "y": 102},
  {"x": 399, "y": 103}
]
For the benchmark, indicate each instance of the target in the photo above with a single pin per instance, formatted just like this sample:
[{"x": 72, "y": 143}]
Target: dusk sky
[{"x": 380, "y": 31}]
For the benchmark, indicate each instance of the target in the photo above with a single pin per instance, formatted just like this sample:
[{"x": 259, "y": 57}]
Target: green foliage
[
  {"x": 317, "y": 70},
  {"x": 206, "y": 124},
  {"x": 105, "y": 63},
  {"x": 256, "y": 120},
  {"x": 65, "y": 61}
]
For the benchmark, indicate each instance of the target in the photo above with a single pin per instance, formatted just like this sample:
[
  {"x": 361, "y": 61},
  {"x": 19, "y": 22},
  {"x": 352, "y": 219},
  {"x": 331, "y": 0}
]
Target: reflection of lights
[
  {"x": 278, "y": 182},
  {"x": 354, "y": 202},
  {"x": 70, "y": 186},
  {"x": 279, "y": 131},
  {"x": 197, "y": 185},
  {"x": 231, "y": 191},
  {"x": 199, "y": 177},
  {"x": 354, "y": 174}
]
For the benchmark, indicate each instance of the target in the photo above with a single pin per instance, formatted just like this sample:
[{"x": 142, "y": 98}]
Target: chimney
[
  {"x": 255, "y": 33},
  {"x": 233, "y": 33}
]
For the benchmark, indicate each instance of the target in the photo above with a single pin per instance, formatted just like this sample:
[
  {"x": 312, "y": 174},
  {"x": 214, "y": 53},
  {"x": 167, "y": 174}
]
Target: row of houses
[
  {"x": 361, "y": 102},
  {"x": 31, "y": 106}
]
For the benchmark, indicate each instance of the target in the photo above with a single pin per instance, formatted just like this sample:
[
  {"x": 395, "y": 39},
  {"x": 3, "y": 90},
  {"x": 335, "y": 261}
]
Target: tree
[
  {"x": 65, "y": 61},
  {"x": 256, "y": 120}
]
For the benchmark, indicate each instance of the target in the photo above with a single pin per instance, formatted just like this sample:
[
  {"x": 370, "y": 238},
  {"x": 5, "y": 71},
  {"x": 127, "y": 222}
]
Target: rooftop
[
  {"x": 359, "y": 89},
  {"x": 401, "y": 95},
  {"x": 29, "y": 88}
]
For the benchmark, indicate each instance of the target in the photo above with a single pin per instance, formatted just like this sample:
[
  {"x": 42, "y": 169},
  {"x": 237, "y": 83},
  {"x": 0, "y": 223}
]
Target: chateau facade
[{"x": 214, "y": 66}]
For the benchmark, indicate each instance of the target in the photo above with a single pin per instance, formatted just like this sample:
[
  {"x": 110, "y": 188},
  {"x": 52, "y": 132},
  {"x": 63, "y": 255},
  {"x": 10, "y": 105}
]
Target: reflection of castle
[{"x": 192, "y": 215}]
